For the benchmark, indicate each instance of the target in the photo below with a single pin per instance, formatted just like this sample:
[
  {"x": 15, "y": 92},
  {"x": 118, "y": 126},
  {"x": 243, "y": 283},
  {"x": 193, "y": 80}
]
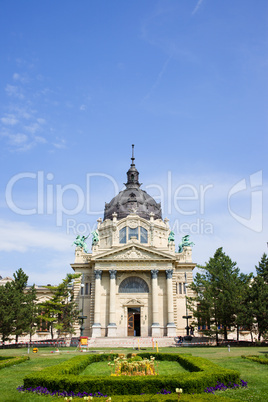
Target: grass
[
  {"x": 256, "y": 374},
  {"x": 164, "y": 368}
]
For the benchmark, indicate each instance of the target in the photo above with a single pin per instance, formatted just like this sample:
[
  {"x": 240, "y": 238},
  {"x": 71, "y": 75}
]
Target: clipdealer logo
[
  {"x": 186, "y": 200},
  {"x": 255, "y": 220}
]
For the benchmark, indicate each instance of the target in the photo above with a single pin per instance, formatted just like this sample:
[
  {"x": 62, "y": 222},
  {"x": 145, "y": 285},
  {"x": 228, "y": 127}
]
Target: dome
[{"x": 132, "y": 199}]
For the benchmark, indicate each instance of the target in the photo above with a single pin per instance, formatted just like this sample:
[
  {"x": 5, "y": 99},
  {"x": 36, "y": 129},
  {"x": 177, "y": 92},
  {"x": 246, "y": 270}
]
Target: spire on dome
[
  {"x": 132, "y": 174},
  {"x": 133, "y": 164}
]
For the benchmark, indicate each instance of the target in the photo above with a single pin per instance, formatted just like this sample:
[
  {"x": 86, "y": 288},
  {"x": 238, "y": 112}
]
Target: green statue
[
  {"x": 95, "y": 237},
  {"x": 185, "y": 243},
  {"x": 80, "y": 241},
  {"x": 171, "y": 236}
]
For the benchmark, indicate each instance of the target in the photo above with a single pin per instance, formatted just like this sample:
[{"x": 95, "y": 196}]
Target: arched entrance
[{"x": 135, "y": 288}]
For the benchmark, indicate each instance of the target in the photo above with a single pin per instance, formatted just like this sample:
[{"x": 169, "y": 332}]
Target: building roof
[{"x": 132, "y": 199}]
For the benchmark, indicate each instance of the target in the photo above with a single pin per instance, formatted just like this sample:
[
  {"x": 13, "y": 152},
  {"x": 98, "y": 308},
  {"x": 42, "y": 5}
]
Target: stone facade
[{"x": 133, "y": 280}]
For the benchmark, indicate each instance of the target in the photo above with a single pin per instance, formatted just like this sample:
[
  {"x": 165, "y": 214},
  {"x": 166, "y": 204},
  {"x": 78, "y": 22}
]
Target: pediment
[
  {"x": 133, "y": 302},
  {"x": 132, "y": 253}
]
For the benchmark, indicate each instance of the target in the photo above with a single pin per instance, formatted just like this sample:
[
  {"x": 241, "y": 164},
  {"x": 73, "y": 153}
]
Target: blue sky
[{"x": 185, "y": 81}]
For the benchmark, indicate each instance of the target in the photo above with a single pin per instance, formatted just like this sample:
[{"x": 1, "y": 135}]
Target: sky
[{"x": 81, "y": 81}]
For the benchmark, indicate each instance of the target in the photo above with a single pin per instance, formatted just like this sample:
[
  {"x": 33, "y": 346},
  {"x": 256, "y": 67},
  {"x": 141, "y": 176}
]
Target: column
[
  {"x": 112, "y": 328},
  {"x": 155, "y": 318},
  {"x": 171, "y": 328},
  {"x": 96, "y": 327}
]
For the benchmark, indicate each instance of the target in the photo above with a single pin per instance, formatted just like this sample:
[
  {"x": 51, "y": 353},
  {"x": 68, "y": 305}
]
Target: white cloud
[
  {"x": 40, "y": 139},
  {"x": 41, "y": 121},
  {"x": 60, "y": 144},
  {"x": 18, "y": 139},
  {"x": 14, "y": 91},
  {"x": 32, "y": 128},
  {"x": 9, "y": 120},
  {"x": 22, "y": 237},
  {"x": 20, "y": 78}
]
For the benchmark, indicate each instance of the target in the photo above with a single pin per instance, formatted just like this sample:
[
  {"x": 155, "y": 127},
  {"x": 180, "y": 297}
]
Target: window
[
  {"x": 138, "y": 233},
  {"x": 123, "y": 235},
  {"x": 180, "y": 288},
  {"x": 144, "y": 235},
  {"x": 86, "y": 289},
  {"x": 133, "y": 233},
  {"x": 184, "y": 288},
  {"x": 133, "y": 284}
]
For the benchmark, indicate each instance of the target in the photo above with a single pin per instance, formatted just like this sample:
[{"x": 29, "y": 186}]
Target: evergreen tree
[
  {"x": 19, "y": 303},
  {"x": 61, "y": 310},
  {"x": 31, "y": 312},
  {"x": 6, "y": 311},
  {"x": 259, "y": 297},
  {"x": 217, "y": 294},
  {"x": 244, "y": 313}
]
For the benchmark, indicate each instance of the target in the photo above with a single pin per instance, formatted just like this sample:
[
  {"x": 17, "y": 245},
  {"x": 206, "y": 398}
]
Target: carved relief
[{"x": 132, "y": 224}]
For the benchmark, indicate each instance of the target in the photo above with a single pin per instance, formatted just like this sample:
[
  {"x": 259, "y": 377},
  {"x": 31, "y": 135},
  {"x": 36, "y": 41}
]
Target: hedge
[
  {"x": 64, "y": 377},
  {"x": 164, "y": 398},
  {"x": 256, "y": 358},
  {"x": 11, "y": 361}
]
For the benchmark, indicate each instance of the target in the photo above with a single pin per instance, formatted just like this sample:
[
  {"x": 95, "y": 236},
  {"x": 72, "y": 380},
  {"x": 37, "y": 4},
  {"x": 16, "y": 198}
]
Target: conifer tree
[
  {"x": 6, "y": 311},
  {"x": 259, "y": 297},
  {"x": 19, "y": 302},
  {"x": 31, "y": 312},
  {"x": 217, "y": 294}
]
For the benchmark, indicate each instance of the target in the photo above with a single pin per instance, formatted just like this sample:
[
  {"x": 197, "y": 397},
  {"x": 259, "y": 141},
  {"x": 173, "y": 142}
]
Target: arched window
[
  {"x": 144, "y": 235},
  {"x": 133, "y": 284},
  {"x": 123, "y": 235},
  {"x": 138, "y": 233}
]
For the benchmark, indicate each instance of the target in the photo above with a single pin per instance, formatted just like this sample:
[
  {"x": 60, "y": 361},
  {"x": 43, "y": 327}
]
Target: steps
[{"x": 130, "y": 342}]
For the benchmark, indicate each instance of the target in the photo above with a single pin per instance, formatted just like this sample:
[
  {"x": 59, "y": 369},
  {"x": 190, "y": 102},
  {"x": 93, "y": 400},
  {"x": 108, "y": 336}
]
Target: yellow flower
[{"x": 179, "y": 390}]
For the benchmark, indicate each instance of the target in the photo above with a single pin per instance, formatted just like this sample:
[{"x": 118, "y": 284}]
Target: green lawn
[{"x": 256, "y": 374}]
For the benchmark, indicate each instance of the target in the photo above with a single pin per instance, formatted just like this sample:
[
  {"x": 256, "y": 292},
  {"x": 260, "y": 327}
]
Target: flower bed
[
  {"x": 133, "y": 366},
  {"x": 64, "y": 377}
]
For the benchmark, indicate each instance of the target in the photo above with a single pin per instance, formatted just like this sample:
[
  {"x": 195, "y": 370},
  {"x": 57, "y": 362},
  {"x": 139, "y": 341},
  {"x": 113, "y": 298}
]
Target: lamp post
[
  {"x": 187, "y": 317},
  {"x": 82, "y": 317}
]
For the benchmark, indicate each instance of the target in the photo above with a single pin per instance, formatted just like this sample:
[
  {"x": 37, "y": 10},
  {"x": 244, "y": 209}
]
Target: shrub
[
  {"x": 256, "y": 358},
  {"x": 11, "y": 361},
  {"x": 63, "y": 377}
]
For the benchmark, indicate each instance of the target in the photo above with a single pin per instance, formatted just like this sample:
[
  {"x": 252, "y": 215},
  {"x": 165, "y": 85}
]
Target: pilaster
[{"x": 112, "y": 328}]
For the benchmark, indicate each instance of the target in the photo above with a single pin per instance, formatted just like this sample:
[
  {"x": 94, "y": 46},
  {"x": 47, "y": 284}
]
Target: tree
[
  {"x": 61, "y": 310},
  {"x": 19, "y": 303},
  {"x": 217, "y": 294},
  {"x": 6, "y": 311},
  {"x": 244, "y": 313},
  {"x": 31, "y": 312},
  {"x": 259, "y": 296}
]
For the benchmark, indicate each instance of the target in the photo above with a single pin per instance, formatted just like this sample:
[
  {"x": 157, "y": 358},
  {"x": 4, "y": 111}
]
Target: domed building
[{"x": 133, "y": 281}]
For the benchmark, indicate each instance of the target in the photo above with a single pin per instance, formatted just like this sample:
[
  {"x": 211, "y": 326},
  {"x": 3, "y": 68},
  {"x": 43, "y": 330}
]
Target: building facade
[{"x": 133, "y": 283}]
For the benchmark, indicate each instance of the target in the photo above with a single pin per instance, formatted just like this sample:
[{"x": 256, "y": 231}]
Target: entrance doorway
[{"x": 134, "y": 321}]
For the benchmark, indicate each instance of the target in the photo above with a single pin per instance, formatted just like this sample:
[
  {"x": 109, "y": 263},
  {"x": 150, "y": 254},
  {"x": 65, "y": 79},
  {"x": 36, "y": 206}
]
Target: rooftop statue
[
  {"x": 95, "y": 237},
  {"x": 171, "y": 236},
  {"x": 185, "y": 243},
  {"x": 80, "y": 241}
]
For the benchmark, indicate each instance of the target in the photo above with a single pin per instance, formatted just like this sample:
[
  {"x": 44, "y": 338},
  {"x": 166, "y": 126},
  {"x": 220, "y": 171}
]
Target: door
[
  {"x": 133, "y": 321},
  {"x": 130, "y": 324}
]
